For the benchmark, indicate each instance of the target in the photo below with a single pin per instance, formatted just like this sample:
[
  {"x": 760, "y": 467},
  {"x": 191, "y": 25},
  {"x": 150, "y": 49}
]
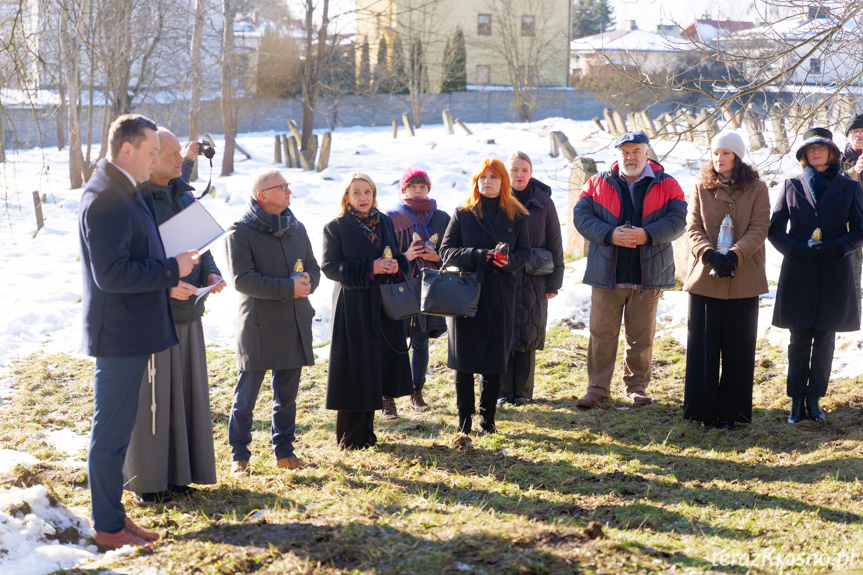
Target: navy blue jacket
[
  {"x": 127, "y": 311},
  {"x": 817, "y": 293}
]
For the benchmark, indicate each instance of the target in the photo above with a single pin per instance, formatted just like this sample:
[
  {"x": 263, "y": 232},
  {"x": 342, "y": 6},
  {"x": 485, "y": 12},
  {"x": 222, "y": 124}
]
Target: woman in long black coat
[
  {"x": 532, "y": 292},
  {"x": 368, "y": 355},
  {"x": 481, "y": 344},
  {"x": 816, "y": 296}
]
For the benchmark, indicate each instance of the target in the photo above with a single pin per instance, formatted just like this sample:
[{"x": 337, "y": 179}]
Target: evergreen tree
[
  {"x": 417, "y": 69},
  {"x": 398, "y": 78},
  {"x": 341, "y": 72},
  {"x": 454, "y": 78},
  {"x": 445, "y": 69},
  {"x": 364, "y": 73},
  {"x": 278, "y": 66},
  {"x": 591, "y": 17},
  {"x": 381, "y": 78}
]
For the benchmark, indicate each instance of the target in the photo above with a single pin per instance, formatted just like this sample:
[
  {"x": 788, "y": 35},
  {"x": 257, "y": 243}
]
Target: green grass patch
[{"x": 668, "y": 495}]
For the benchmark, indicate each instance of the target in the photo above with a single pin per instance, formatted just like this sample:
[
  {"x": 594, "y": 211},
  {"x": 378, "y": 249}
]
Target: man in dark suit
[{"x": 127, "y": 315}]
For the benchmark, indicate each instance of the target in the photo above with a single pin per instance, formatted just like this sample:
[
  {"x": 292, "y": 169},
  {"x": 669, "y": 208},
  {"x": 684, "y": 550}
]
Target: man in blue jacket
[
  {"x": 126, "y": 312},
  {"x": 630, "y": 215}
]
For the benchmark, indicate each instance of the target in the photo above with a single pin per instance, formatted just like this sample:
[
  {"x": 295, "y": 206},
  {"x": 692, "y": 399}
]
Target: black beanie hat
[{"x": 854, "y": 122}]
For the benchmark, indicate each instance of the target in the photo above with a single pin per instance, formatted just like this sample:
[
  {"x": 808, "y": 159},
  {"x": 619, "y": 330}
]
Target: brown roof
[{"x": 724, "y": 25}]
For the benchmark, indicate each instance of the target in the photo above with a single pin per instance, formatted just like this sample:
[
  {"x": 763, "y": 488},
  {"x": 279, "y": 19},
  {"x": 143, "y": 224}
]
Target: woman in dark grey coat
[
  {"x": 532, "y": 291},
  {"x": 368, "y": 355},
  {"x": 481, "y": 344},
  {"x": 816, "y": 296}
]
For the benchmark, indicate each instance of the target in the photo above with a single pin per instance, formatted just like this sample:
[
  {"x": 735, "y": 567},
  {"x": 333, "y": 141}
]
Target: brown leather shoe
[
  {"x": 291, "y": 462},
  {"x": 140, "y": 531},
  {"x": 241, "y": 469},
  {"x": 589, "y": 400},
  {"x": 417, "y": 401},
  {"x": 105, "y": 540},
  {"x": 640, "y": 399},
  {"x": 388, "y": 413}
]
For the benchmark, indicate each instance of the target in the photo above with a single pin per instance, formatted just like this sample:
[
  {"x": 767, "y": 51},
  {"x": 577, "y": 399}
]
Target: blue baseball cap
[{"x": 631, "y": 138}]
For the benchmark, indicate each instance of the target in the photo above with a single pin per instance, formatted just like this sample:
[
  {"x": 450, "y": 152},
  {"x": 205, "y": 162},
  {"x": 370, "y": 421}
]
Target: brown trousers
[{"x": 637, "y": 309}]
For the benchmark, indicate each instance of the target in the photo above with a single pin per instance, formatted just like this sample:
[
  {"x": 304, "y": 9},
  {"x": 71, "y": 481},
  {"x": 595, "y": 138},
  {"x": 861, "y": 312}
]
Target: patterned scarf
[
  {"x": 277, "y": 225},
  {"x": 370, "y": 223}
]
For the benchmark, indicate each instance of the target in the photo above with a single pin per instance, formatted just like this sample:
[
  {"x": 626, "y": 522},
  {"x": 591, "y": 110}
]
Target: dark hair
[
  {"x": 418, "y": 179},
  {"x": 742, "y": 174},
  {"x": 128, "y": 128},
  {"x": 833, "y": 158}
]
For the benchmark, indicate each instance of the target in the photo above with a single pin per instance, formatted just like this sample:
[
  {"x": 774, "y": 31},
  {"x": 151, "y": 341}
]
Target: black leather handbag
[
  {"x": 401, "y": 300},
  {"x": 450, "y": 293},
  {"x": 541, "y": 262}
]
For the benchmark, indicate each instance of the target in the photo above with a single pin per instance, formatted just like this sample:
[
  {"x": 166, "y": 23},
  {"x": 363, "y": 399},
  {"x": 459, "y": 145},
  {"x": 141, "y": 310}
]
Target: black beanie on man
[{"x": 854, "y": 122}]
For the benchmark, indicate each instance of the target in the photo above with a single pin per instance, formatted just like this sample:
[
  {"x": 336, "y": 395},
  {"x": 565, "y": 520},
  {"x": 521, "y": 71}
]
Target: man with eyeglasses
[
  {"x": 274, "y": 270},
  {"x": 630, "y": 215},
  {"x": 172, "y": 442},
  {"x": 852, "y": 166}
]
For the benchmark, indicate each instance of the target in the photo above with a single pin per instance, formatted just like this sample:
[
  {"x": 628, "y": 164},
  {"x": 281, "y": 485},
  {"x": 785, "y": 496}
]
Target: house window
[
  {"x": 528, "y": 25},
  {"x": 815, "y": 65},
  {"x": 483, "y": 74},
  {"x": 483, "y": 25}
]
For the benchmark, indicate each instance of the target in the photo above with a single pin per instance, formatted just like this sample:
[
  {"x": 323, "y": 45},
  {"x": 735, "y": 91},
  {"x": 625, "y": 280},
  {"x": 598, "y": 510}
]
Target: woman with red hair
[{"x": 490, "y": 216}]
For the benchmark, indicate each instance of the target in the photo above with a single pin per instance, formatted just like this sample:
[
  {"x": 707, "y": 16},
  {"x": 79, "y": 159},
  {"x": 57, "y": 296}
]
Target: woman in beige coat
[{"x": 724, "y": 288}]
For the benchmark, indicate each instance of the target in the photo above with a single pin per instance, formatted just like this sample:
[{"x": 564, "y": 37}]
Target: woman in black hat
[
  {"x": 852, "y": 156},
  {"x": 852, "y": 166},
  {"x": 816, "y": 224}
]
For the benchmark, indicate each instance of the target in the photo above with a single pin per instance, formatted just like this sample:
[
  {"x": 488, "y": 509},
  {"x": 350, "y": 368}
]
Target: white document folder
[{"x": 194, "y": 228}]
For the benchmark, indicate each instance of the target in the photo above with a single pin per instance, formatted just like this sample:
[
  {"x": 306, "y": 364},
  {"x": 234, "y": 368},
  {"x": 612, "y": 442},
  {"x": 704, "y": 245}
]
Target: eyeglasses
[
  {"x": 283, "y": 187},
  {"x": 820, "y": 147}
]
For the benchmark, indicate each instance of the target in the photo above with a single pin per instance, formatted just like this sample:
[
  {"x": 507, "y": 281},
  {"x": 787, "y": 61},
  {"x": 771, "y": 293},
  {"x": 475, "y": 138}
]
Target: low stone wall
[{"x": 28, "y": 128}]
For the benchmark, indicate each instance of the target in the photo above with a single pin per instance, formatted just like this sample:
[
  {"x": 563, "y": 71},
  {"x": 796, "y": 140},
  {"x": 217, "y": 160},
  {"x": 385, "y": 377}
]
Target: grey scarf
[{"x": 277, "y": 225}]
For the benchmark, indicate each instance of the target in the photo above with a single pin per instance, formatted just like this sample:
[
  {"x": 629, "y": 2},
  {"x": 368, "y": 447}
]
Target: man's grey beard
[{"x": 635, "y": 171}]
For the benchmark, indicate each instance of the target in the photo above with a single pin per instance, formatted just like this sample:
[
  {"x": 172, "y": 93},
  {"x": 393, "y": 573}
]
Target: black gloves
[
  {"x": 803, "y": 251},
  {"x": 830, "y": 250},
  {"x": 723, "y": 265}
]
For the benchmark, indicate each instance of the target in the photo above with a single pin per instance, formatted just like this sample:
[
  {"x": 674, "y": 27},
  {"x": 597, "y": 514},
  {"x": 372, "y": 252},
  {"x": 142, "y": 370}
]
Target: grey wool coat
[{"x": 274, "y": 330}]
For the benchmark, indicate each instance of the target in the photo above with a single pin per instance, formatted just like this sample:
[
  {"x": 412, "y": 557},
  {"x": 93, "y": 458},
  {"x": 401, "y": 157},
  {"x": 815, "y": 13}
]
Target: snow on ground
[
  {"x": 31, "y": 528},
  {"x": 41, "y": 293}
]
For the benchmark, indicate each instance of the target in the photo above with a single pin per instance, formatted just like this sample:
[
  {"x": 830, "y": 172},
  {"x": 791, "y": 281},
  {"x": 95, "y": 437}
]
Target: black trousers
[
  {"x": 489, "y": 386},
  {"x": 810, "y": 357},
  {"x": 720, "y": 359},
  {"x": 518, "y": 379},
  {"x": 355, "y": 429}
]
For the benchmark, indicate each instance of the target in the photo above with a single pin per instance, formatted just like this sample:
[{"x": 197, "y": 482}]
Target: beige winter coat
[{"x": 750, "y": 210}]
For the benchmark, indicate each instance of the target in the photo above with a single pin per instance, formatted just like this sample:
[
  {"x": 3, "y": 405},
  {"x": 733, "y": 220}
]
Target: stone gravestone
[
  {"x": 780, "y": 137},
  {"x": 621, "y": 123},
  {"x": 609, "y": 120},
  {"x": 580, "y": 172},
  {"x": 753, "y": 127},
  {"x": 326, "y": 144},
  {"x": 37, "y": 204}
]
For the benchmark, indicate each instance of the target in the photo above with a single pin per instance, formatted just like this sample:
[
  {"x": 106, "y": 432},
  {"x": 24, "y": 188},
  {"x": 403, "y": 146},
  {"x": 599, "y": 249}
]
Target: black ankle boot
[
  {"x": 796, "y": 415},
  {"x": 488, "y": 426},
  {"x": 464, "y": 424},
  {"x": 813, "y": 409}
]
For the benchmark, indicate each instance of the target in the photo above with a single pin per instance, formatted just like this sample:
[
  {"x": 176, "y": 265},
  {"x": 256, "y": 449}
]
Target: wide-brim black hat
[{"x": 817, "y": 136}]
